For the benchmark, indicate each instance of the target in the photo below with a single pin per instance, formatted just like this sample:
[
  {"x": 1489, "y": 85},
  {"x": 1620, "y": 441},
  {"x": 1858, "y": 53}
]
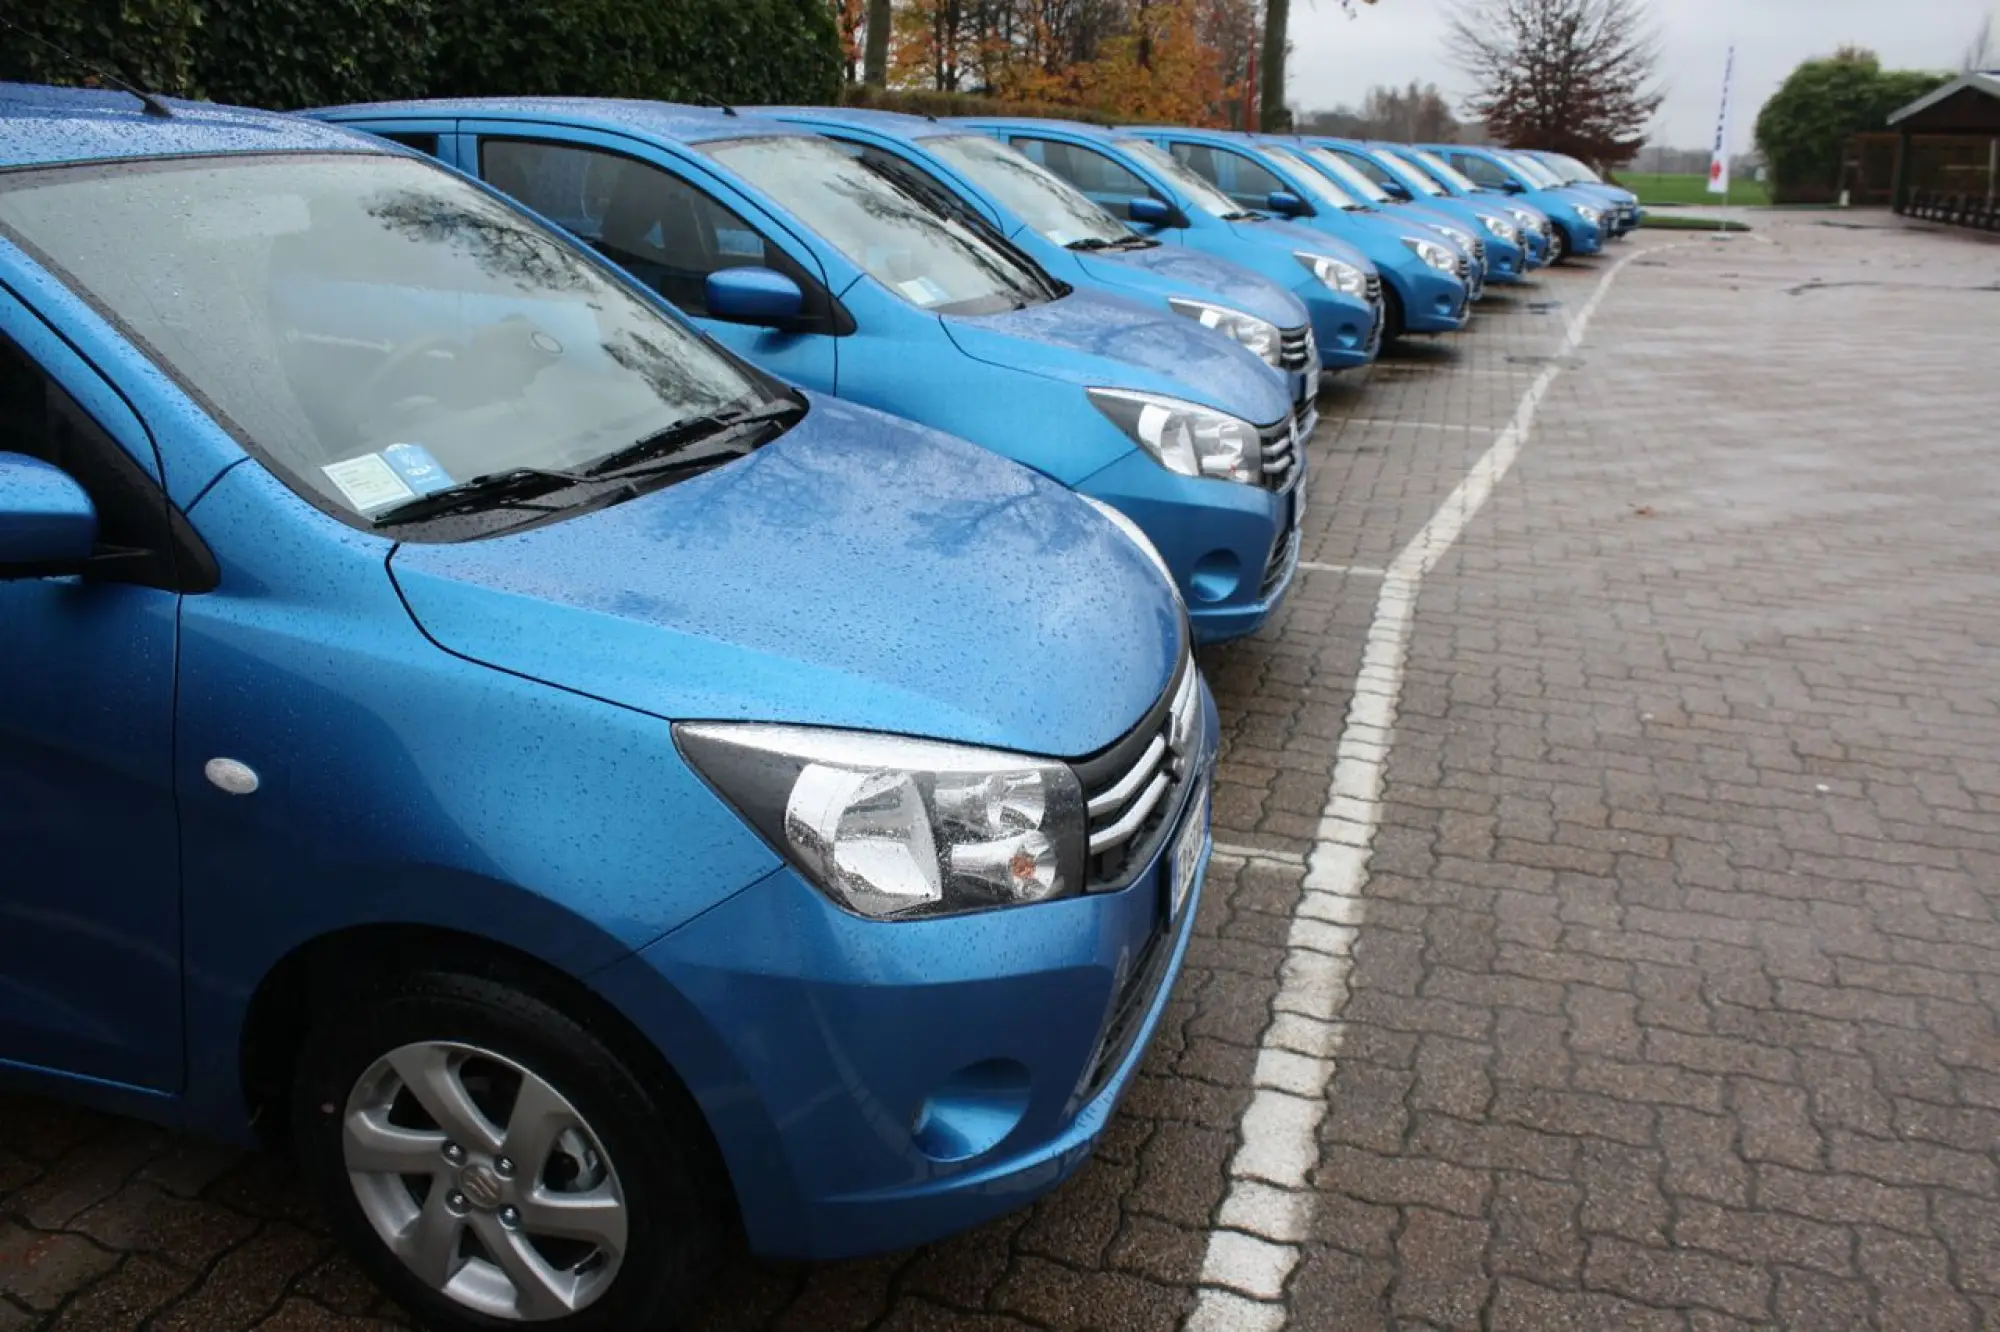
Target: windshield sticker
[
  {"x": 368, "y": 482},
  {"x": 922, "y": 290},
  {"x": 420, "y": 471}
]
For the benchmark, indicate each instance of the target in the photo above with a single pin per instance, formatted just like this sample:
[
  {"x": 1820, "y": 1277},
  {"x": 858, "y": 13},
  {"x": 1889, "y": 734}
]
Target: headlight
[
  {"x": 1343, "y": 277},
  {"x": 1525, "y": 218},
  {"x": 1500, "y": 227},
  {"x": 1260, "y": 336},
  {"x": 1433, "y": 254},
  {"x": 1587, "y": 213},
  {"x": 892, "y": 828},
  {"x": 1462, "y": 239},
  {"x": 1184, "y": 437},
  {"x": 1136, "y": 534}
]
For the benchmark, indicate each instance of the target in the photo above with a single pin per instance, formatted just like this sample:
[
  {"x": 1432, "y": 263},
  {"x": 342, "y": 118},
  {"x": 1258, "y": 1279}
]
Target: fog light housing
[
  {"x": 973, "y": 1111},
  {"x": 1216, "y": 576}
]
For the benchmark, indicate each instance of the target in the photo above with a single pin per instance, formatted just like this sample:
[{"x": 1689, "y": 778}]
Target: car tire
[
  {"x": 386, "y": 1087},
  {"x": 1559, "y": 246},
  {"x": 1394, "y": 327}
]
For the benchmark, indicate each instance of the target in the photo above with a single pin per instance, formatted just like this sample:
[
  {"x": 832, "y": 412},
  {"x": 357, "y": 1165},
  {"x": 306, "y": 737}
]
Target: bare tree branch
[{"x": 1575, "y": 76}]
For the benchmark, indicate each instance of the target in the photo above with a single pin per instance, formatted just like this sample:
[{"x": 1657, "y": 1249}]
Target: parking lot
[{"x": 1647, "y": 655}]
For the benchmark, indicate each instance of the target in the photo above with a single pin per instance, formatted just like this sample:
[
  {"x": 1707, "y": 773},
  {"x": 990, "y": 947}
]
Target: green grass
[
  {"x": 1691, "y": 189},
  {"x": 1661, "y": 222}
]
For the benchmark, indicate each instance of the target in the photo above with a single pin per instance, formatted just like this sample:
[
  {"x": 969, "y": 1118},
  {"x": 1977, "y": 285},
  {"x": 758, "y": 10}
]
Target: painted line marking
[
  {"x": 1416, "y": 425},
  {"x": 1266, "y": 1213},
  {"x": 1356, "y": 570},
  {"x": 1232, "y": 851}
]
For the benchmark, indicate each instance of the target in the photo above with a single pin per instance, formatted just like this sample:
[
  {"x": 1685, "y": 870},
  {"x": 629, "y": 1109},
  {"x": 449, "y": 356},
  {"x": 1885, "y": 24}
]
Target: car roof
[
  {"x": 43, "y": 126},
  {"x": 659, "y": 120},
  {"x": 1079, "y": 128},
  {"x": 863, "y": 117}
]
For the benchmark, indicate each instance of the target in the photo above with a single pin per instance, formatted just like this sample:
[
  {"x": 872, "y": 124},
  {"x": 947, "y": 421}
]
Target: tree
[
  {"x": 875, "y": 57},
  {"x": 1572, "y": 76},
  {"x": 1277, "y": 117},
  {"x": 1803, "y": 128},
  {"x": 1980, "y": 53}
]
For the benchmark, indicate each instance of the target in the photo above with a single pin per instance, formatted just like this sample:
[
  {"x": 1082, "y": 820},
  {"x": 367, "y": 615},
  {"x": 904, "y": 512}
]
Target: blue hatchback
[
  {"x": 1535, "y": 226},
  {"x": 975, "y": 177},
  {"x": 1131, "y": 178},
  {"x": 784, "y": 246},
  {"x": 1625, "y": 215},
  {"x": 1429, "y": 279},
  {"x": 1578, "y": 220},
  {"x": 1386, "y": 178},
  {"x": 581, "y": 792}
]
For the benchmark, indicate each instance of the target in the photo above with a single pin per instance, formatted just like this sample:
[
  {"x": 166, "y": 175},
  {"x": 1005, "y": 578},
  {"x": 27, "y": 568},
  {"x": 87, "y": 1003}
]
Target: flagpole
[{"x": 1718, "y": 165}]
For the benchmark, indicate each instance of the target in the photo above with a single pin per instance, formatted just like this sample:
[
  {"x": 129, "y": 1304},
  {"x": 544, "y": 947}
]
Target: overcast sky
[{"x": 1336, "y": 59}]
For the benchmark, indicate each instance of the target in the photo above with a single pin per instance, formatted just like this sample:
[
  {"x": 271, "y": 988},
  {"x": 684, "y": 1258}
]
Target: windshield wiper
[
  {"x": 517, "y": 487},
  {"x": 683, "y": 433},
  {"x": 1136, "y": 243},
  {"x": 1091, "y": 243},
  {"x": 1243, "y": 215}
]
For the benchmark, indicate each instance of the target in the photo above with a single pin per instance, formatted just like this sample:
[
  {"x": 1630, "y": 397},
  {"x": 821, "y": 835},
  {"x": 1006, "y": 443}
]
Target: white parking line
[
  {"x": 1272, "y": 855},
  {"x": 1266, "y": 1213},
  {"x": 1352, "y": 570},
  {"x": 1414, "y": 425}
]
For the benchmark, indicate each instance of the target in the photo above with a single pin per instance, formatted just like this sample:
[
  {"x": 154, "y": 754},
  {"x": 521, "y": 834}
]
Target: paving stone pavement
[{"x": 1675, "y": 1002}]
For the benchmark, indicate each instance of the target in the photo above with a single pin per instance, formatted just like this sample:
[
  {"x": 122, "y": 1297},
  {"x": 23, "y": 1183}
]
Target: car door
[
  {"x": 667, "y": 232},
  {"x": 90, "y": 895}
]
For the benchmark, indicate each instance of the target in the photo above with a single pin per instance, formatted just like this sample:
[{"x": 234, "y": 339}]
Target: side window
[
  {"x": 657, "y": 227},
  {"x": 135, "y": 527},
  {"x": 1100, "y": 177},
  {"x": 1371, "y": 169},
  {"x": 1480, "y": 171},
  {"x": 423, "y": 143},
  {"x": 1243, "y": 180}
]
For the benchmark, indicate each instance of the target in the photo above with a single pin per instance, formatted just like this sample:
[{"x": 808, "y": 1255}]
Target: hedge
[{"x": 293, "y": 53}]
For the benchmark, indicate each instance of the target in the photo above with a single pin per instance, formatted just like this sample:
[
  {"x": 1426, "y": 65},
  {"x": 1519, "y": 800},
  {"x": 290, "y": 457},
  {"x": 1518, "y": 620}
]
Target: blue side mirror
[
  {"x": 1395, "y": 189},
  {"x": 1285, "y": 203},
  {"x": 1150, "y": 211},
  {"x": 754, "y": 296},
  {"x": 47, "y": 523},
  {"x": 1513, "y": 186}
]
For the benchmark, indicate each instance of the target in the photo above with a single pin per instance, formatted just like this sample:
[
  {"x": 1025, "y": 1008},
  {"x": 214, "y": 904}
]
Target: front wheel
[
  {"x": 1394, "y": 327},
  {"x": 1558, "y": 244},
  {"x": 490, "y": 1162}
]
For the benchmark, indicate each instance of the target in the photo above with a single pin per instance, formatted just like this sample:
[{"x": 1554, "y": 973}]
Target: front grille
[
  {"x": 1133, "y": 790},
  {"x": 1479, "y": 252},
  {"x": 1283, "y": 555},
  {"x": 1280, "y": 449},
  {"x": 1295, "y": 348},
  {"x": 1464, "y": 269},
  {"x": 1374, "y": 292}
]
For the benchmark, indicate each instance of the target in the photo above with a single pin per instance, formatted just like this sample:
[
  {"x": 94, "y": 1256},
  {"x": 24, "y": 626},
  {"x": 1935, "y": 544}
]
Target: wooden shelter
[{"x": 1948, "y": 153}]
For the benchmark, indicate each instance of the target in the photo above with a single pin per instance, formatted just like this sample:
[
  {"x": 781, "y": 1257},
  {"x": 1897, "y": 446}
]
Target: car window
[
  {"x": 932, "y": 262},
  {"x": 423, "y": 143},
  {"x": 371, "y": 327},
  {"x": 1534, "y": 171},
  {"x": 1482, "y": 172},
  {"x": 1053, "y": 207},
  {"x": 656, "y": 226},
  {"x": 1244, "y": 180},
  {"x": 1350, "y": 178},
  {"x": 913, "y": 178},
  {"x": 1101, "y": 178},
  {"x": 1443, "y": 170},
  {"x": 1198, "y": 192},
  {"x": 1383, "y": 171},
  {"x": 1570, "y": 169}
]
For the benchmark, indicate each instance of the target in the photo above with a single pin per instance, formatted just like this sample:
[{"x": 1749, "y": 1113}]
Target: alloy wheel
[{"x": 484, "y": 1181}]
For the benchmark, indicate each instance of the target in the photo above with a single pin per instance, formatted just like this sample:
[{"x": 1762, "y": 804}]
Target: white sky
[{"x": 1336, "y": 59}]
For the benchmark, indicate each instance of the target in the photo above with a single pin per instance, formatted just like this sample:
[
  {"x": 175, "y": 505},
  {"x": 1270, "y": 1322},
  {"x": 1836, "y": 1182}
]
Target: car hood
[
  {"x": 859, "y": 571},
  {"x": 1296, "y": 236},
  {"x": 1099, "y": 340},
  {"x": 1202, "y": 277}
]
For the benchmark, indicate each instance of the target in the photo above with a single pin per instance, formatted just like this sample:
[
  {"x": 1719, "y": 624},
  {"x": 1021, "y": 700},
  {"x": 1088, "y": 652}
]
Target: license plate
[{"x": 1185, "y": 862}]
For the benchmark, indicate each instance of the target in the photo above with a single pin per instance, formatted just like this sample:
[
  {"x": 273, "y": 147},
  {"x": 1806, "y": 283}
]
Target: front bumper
[
  {"x": 874, "y": 1086},
  {"x": 1505, "y": 262},
  {"x": 1347, "y": 328},
  {"x": 1433, "y": 301},
  {"x": 1233, "y": 548},
  {"x": 1585, "y": 237}
]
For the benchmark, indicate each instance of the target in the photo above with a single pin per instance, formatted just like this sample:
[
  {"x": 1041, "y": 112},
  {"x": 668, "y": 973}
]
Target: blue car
[
  {"x": 974, "y": 177},
  {"x": 1534, "y": 224},
  {"x": 1625, "y": 215},
  {"x": 1131, "y": 178},
  {"x": 785, "y": 247},
  {"x": 1577, "y": 219},
  {"x": 577, "y": 792},
  {"x": 1429, "y": 279},
  {"x": 1509, "y": 253}
]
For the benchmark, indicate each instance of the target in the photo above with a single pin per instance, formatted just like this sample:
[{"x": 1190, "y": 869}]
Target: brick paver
[{"x": 1675, "y": 1001}]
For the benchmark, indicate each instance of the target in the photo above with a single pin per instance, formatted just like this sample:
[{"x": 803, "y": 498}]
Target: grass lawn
[
  {"x": 1654, "y": 189},
  {"x": 1661, "y": 222}
]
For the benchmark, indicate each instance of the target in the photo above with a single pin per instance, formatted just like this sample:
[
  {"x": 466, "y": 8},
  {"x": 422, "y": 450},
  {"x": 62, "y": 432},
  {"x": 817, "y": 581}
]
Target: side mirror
[
  {"x": 48, "y": 525},
  {"x": 1147, "y": 210},
  {"x": 1284, "y": 203},
  {"x": 754, "y": 296},
  {"x": 1395, "y": 189},
  {"x": 1513, "y": 186}
]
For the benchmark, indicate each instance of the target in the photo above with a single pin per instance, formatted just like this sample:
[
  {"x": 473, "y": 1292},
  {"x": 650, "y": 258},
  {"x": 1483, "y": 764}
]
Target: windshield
[
  {"x": 1532, "y": 169},
  {"x": 930, "y": 261},
  {"x": 1445, "y": 171},
  {"x": 1411, "y": 177},
  {"x": 1313, "y": 180},
  {"x": 1197, "y": 191},
  {"x": 372, "y": 328},
  {"x": 1572, "y": 171},
  {"x": 1348, "y": 175},
  {"x": 1045, "y": 201}
]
